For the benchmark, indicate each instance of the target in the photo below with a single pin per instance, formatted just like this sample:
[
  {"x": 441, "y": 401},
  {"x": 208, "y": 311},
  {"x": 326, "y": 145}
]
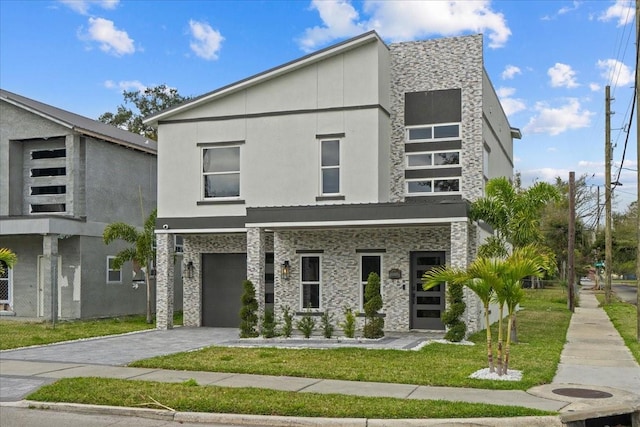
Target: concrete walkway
[{"x": 595, "y": 367}]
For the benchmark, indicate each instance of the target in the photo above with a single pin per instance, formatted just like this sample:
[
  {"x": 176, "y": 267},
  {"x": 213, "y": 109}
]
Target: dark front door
[
  {"x": 426, "y": 306},
  {"x": 222, "y": 277}
]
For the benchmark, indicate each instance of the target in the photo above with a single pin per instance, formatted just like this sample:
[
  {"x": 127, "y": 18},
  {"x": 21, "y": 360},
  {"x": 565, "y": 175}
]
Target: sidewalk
[{"x": 595, "y": 368}]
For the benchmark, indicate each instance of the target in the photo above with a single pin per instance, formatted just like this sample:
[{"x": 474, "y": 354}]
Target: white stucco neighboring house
[{"x": 361, "y": 157}]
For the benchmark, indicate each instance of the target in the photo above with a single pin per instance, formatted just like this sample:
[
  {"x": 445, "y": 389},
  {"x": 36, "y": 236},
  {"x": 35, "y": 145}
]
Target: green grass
[
  {"x": 542, "y": 327},
  {"x": 189, "y": 397},
  {"x": 15, "y": 333},
  {"x": 624, "y": 317}
]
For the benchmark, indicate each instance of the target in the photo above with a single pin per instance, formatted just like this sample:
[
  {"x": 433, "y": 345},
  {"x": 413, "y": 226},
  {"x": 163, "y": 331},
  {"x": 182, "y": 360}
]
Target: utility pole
[
  {"x": 572, "y": 236},
  {"x": 608, "y": 261},
  {"x": 637, "y": 173}
]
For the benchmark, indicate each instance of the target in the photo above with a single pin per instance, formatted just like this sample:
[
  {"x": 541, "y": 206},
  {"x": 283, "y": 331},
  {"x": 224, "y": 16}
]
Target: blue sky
[{"x": 548, "y": 60}]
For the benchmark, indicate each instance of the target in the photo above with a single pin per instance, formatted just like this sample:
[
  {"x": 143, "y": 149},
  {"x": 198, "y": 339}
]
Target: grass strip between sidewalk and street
[
  {"x": 624, "y": 318},
  {"x": 190, "y": 397},
  {"x": 15, "y": 333}
]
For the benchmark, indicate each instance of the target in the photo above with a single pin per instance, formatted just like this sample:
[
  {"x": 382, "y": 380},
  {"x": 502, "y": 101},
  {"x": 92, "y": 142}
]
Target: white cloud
[
  {"x": 82, "y": 6},
  {"x": 339, "y": 18},
  {"x": 111, "y": 39},
  {"x": 531, "y": 176},
  {"x": 509, "y": 104},
  {"x": 616, "y": 72},
  {"x": 405, "y": 20},
  {"x": 128, "y": 85},
  {"x": 595, "y": 87},
  {"x": 510, "y": 72},
  {"x": 621, "y": 10},
  {"x": 206, "y": 41},
  {"x": 562, "y": 75},
  {"x": 555, "y": 121},
  {"x": 552, "y": 149}
]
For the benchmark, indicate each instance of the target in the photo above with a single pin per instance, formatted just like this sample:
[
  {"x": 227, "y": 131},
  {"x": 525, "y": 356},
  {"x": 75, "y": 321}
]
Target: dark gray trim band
[
  {"x": 203, "y": 222},
  {"x": 427, "y": 208},
  {"x": 325, "y": 198},
  {"x": 220, "y": 202},
  {"x": 370, "y": 251},
  {"x": 330, "y": 135},
  {"x": 413, "y": 147},
  {"x": 433, "y": 173},
  {"x": 310, "y": 251},
  {"x": 220, "y": 144},
  {"x": 277, "y": 113}
]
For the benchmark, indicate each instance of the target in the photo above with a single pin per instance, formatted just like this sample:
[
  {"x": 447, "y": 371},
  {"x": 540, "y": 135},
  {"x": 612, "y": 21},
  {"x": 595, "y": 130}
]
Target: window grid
[
  {"x": 310, "y": 282},
  {"x": 436, "y": 132},
  {"x": 221, "y": 172},
  {"x": 443, "y": 186},
  {"x": 113, "y": 275},
  {"x": 432, "y": 159},
  {"x": 330, "y": 166}
]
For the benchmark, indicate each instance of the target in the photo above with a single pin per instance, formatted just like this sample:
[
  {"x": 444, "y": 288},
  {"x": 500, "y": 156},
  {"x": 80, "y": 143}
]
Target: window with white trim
[
  {"x": 6, "y": 290},
  {"x": 433, "y": 132},
  {"x": 330, "y": 166},
  {"x": 369, "y": 263},
  {"x": 113, "y": 275},
  {"x": 310, "y": 279},
  {"x": 221, "y": 172}
]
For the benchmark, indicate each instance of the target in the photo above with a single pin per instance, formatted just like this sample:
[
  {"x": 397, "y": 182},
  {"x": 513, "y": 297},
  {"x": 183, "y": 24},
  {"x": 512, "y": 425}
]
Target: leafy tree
[
  {"x": 145, "y": 102},
  {"x": 513, "y": 212},
  {"x": 248, "y": 311},
  {"x": 374, "y": 325},
  {"x": 141, "y": 252},
  {"x": 8, "y": 258}
]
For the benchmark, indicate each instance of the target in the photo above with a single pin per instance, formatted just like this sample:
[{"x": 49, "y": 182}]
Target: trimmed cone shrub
[
  {"x": 374, "y": 324},
  {"x": 456, "y": 328},
  {"x": 248, "y": 312}
]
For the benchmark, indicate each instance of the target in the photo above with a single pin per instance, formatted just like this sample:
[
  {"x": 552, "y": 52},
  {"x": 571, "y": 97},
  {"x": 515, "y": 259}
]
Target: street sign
[{"x": 599, "y": 264}]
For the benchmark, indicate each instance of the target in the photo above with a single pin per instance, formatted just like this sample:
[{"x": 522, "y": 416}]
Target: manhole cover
[{"x": 583, "y": 393}]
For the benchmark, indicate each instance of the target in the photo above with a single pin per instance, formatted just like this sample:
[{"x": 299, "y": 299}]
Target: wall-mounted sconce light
[
  {"x": 395, "y": 274},
  {"x": 285, "y": 270},
  {"x": 188, "y": 270}
]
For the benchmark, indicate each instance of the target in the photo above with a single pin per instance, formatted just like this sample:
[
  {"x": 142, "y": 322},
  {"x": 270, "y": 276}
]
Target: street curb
[{"x": 281, "y": 421}]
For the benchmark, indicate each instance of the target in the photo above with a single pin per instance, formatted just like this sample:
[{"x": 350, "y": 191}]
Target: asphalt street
[{"x": 626, "y": 292}]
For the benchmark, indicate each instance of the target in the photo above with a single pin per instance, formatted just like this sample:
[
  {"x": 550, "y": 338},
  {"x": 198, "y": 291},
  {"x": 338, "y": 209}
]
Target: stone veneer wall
[
  {"x": 164, "y": 280},
  {"x": 446, "y": 63},
  {"x": 340, "y": 267},
  {"x": 194, "y": 246}
]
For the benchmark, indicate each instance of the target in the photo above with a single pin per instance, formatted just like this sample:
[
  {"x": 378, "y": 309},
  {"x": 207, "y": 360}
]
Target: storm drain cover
[{"x": 583, "y": 393}]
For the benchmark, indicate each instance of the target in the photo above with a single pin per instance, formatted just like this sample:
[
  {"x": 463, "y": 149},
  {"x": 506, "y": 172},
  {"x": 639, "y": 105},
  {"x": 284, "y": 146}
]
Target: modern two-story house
[
  {"x": 63, "y": 178},
  {"x": 362, "y": 157}
]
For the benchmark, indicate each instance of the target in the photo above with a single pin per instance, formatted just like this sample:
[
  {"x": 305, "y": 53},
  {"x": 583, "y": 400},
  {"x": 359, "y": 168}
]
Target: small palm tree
[
  {"x": 480, "y": 277},
  {"x": 7, "y": 257},
  {"x": 141, "y": 251}
]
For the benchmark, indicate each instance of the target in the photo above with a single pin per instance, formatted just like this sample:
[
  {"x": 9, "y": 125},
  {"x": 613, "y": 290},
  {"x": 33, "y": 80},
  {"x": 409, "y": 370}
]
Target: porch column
[
  {"x": 255, "y": 263},
  {"x": 461, "y": 249},
  {"x": 49, "y": 276},
  {"x": 191, "y": 286},
  {"x": 164, "y": 281}
]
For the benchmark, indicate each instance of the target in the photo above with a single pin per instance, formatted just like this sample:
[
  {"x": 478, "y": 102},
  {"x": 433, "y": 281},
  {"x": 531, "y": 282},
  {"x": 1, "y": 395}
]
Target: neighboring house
[
  {"x": 63, "y": 178},
  {"x": 358, "y": 158}
]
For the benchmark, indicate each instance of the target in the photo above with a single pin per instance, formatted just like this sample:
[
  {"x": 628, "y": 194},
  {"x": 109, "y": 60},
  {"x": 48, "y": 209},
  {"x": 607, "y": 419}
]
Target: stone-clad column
[
  {"x": 164, "y": 281},
  {"x": 255, "y": 263}
]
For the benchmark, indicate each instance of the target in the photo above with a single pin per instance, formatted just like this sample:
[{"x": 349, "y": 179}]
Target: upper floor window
[
  {"x": 432, "y": 159},
  {"x": 221, "y": 172},
  {"x": 48, "y": 154},
  {"x": 330, "y": 166},
  {"x": 425, "y": 186},
  {"x": 433, "y": 132}
]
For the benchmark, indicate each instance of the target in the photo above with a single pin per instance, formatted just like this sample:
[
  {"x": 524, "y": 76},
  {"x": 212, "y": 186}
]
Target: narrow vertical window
[
  {"x": 310, "y": 281},
  {"x": 330, "y": 166},
  {"x": 369, "y": 263},
  {"x": 113, "y": 275}
]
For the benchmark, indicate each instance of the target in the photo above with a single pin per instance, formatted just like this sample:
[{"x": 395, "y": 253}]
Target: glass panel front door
[{"x": 426, "y": 306}]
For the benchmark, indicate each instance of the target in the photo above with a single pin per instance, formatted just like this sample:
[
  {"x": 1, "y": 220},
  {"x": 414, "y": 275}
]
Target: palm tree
[
  {"x": 481, "y": 277},
  {"x": 513, "y": 212},
  {"x": 7, "y": 257},
  {"x": 141, "y": 251}
]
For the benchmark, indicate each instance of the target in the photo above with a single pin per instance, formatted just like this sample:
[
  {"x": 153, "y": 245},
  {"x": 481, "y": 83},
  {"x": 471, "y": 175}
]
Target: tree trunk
[
  {"x": 514, "y": 329},
  {"x": 147, "y": 280},
  {"x": 500, "y": 339},
  {"x": 508, "y": 346},
  {"x": 489, "y": 343}
]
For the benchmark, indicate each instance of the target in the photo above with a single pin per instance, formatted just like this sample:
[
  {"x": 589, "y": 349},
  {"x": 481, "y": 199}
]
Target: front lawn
[
  {"x": 542, "y": 326},
  {"x": 190, "y": 397},
  {"x": 624, "y": 317}
]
